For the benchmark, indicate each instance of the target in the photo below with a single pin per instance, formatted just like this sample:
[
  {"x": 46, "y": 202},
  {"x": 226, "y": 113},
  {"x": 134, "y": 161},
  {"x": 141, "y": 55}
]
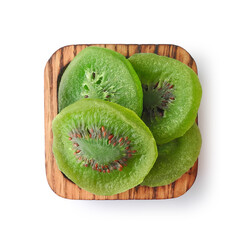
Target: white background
[{"x": 31, "y": 31}]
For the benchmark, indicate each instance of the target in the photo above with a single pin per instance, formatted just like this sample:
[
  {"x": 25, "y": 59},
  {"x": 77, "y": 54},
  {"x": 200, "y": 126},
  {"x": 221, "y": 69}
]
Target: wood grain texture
[{"x": 52, "y": 75}]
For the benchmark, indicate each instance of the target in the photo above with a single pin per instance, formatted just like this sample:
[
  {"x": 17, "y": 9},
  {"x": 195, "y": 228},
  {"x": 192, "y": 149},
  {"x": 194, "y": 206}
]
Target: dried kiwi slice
[
  {"x": 171, "y": 95},
  {"x": 175, "y": 158},
  {"x": 101, "y": 73},
  {"x": 102, "y": 147}
]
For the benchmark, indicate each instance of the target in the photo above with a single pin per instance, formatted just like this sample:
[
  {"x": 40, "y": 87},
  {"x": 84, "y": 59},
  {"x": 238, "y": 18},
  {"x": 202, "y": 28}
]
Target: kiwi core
[
  {"x": 100, "y": 149},
  {"x": 157, "y": 98},
  {"x": 96, "y": 86}
]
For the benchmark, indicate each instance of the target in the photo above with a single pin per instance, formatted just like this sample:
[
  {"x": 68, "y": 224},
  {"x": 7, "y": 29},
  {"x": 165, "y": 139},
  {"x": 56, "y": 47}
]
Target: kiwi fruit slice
[
  {"x": 171, "y": 95},
  {"x": 175, "y": 158},
  {"x": 101, "y": 73},
  {"x": 102, "y": 147}
]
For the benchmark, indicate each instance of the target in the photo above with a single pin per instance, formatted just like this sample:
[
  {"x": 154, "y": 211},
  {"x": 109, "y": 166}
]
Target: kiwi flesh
[
  {"x": 102, "y": 147},
  {"x": 175, "y": 158},
  {"x": 171, "y": 95},
  {"x": 101, "y": 73}
]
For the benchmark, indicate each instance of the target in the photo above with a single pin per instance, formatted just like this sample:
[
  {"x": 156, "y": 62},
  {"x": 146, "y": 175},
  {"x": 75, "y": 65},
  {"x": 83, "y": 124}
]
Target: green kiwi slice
[
  {"x": 171, "y": 95},
  {"x": 101, "y": 73},
  {"x": 102, "y": 147},
  {"x": 175, "y": 158}
]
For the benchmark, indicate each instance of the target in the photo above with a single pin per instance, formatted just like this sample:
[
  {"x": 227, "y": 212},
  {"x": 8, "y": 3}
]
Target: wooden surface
[{"x": 52, "y": 75}]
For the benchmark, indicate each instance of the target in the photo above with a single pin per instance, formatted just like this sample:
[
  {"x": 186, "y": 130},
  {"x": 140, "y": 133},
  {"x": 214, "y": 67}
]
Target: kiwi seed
[
  {"x": 157, "y": 98},
  {"x": 95, "y": 86},
  {"x": 81, "y": 138}
]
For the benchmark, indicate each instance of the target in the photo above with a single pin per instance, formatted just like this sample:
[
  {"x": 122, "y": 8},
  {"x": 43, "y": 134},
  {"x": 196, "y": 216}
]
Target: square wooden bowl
[{"x": 61, "y": 185}]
